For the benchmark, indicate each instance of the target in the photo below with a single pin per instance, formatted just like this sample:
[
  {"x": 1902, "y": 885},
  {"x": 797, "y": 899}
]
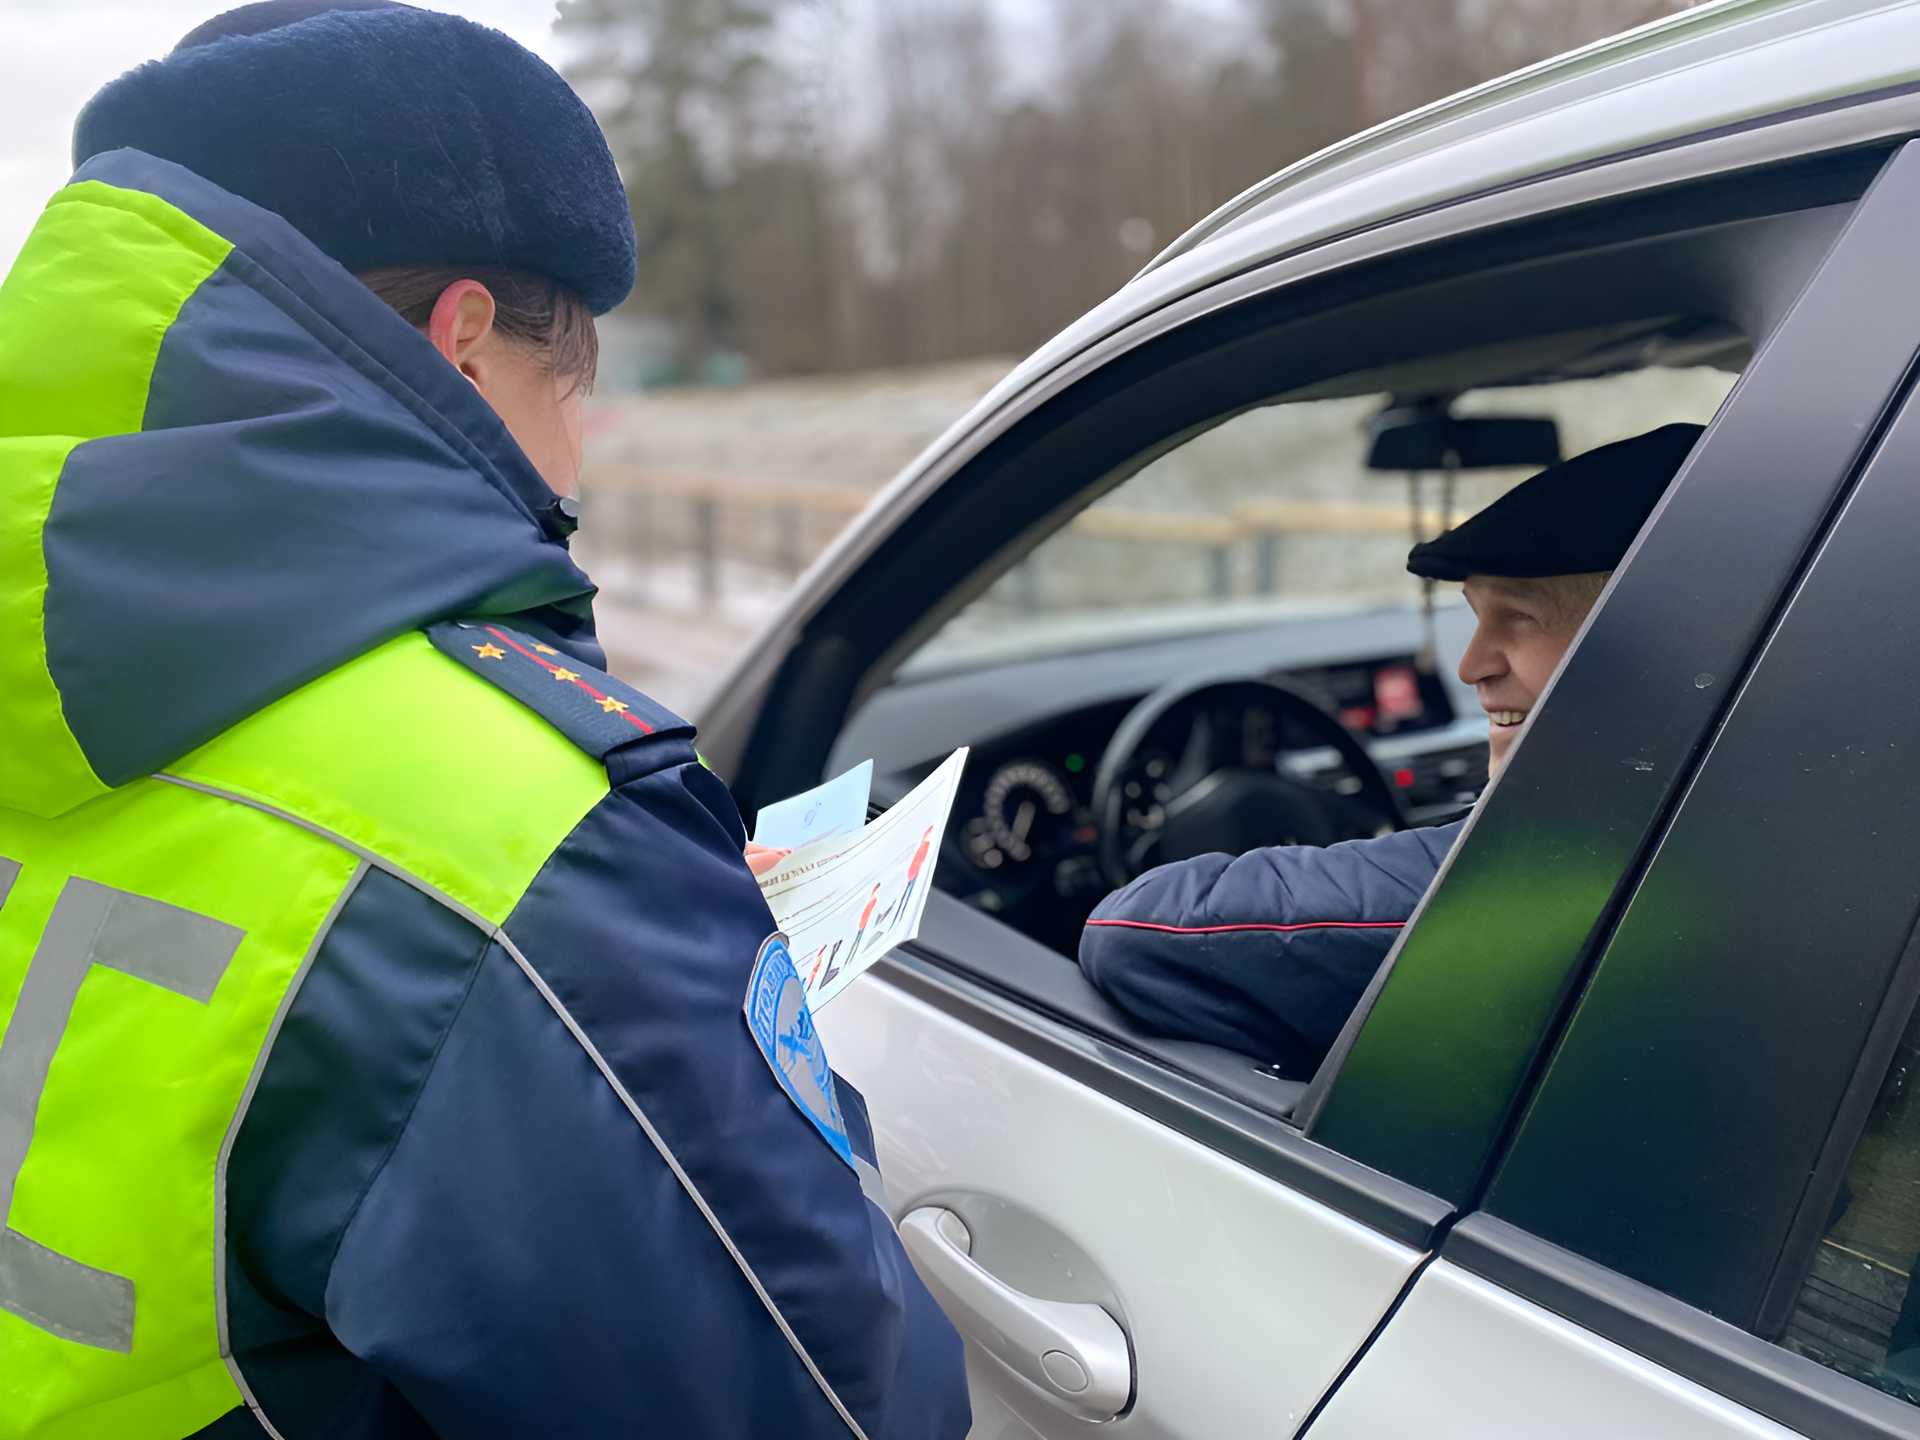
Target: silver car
[{"x": 1623, "y": 1141}]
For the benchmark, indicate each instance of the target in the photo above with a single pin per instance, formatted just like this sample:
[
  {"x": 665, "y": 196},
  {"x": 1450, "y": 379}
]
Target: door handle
[{"x": 1076, "y": 1355}]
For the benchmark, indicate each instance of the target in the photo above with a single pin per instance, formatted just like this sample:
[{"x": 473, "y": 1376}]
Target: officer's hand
[{"x": 762, "y": 858}]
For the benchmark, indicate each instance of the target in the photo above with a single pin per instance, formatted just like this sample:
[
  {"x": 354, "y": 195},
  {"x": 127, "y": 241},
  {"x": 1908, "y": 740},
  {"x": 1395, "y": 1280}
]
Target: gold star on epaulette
[
  {"x": 545, "y": 649},
  {"x": 489, "y": 651},
  {"x": 609, "y": 704},
  {"x": 560, "y": 674}
]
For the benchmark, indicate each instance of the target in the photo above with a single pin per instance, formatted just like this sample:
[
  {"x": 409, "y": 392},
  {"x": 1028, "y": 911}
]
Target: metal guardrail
[
  {"x": 1246, "y": 520},
  {"x": 649, "y": 514},
  {"x": 729, "y": 485},
  {"x": 1259, "y": 522}
]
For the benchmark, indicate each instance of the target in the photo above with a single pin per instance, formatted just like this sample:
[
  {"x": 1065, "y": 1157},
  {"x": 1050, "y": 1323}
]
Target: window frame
[
  {"x": 1432, "y": 1091},
  {"x": 1740, "y": 1360},
  {"x": 1834, "y": 1069}
]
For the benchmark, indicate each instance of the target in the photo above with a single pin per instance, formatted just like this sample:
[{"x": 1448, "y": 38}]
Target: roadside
[{"x": 702, "y": 505}]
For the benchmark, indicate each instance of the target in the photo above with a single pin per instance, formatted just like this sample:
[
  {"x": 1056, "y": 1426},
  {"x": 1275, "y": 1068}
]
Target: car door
[
  {"x": 1241, "y": 1266},
  {"x": 1129, "y": 1228},
  {"x": 1697, "y": 1212}
]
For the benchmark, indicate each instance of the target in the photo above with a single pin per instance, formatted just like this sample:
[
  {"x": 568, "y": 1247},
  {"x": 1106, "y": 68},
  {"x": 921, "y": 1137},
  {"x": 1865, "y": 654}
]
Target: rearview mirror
[{"x": 1422, "y": 437}]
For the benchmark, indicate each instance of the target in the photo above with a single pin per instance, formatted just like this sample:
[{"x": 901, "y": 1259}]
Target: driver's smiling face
[{"x": 1524, "y": 628}]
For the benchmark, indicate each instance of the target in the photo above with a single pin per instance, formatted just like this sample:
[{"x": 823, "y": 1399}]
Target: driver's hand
[{"x": 762, "y": 858}]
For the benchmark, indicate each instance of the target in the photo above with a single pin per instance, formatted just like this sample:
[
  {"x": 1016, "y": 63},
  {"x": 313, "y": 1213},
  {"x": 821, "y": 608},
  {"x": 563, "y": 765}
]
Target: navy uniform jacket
[
  {"x": 1267, "y": 952},
  {"x": 441, "y": 1219}
]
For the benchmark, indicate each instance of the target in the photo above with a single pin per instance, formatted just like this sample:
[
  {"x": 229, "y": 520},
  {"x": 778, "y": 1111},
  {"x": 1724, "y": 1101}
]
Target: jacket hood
[{"x": 227, "y": 468}]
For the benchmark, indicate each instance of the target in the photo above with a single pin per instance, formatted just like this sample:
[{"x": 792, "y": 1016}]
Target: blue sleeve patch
[
  {"x": 782, "y": 1026},
  {"x": 588, "y": 706}
]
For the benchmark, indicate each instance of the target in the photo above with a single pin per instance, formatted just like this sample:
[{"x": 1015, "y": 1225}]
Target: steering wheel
[{"x": 1193, "y": 769}]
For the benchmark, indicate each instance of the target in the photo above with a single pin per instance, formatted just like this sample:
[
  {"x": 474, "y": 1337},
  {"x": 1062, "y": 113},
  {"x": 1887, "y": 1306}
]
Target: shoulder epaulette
[{"x": 588, "y": 706}]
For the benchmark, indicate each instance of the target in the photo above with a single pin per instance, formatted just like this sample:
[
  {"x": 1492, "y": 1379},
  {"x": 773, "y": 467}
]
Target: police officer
[
  {"x": 1267, "y": 952},
  {"x": 393, "y": 1041}
]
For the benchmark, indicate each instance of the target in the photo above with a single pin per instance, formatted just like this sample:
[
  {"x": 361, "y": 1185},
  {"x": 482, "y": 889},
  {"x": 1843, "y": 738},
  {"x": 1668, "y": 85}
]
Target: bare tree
[
  {"x": 676, "y": 85},
  {"x": 1409, "y": 52}
]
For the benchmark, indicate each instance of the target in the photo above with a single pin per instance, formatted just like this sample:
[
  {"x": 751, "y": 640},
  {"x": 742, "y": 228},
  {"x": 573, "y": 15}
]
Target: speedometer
[{"x": 1021, "y": 807}]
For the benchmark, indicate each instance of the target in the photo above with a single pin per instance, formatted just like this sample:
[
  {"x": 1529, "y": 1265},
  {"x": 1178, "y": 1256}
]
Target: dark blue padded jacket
[
  {"x": 1265, "y": 953},
  {"x": 442, "y": 1218}
]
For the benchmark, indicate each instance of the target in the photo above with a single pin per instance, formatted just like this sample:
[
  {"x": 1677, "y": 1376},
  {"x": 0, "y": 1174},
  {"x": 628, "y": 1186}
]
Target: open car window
[
  {"x": 980, "y": 607},
  {"x": 1264, "y": 547}
]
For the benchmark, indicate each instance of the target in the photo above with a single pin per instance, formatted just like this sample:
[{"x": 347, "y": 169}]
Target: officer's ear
[{"x": 462, "y": 320}]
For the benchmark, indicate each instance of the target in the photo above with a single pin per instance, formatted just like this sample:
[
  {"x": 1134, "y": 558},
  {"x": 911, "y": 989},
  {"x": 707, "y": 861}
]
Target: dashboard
[
  {"x": 1024, "y": 843},
  {"x": 1024, "y": 840}
]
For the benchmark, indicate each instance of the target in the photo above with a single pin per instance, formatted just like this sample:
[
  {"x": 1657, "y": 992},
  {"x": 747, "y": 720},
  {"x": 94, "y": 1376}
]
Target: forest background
[{"x": 830, "y": 185}]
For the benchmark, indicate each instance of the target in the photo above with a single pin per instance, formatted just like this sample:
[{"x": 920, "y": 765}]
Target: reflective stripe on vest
[
  {"x": 79, "y": 334},
  {"x": 150, "y": 939}
]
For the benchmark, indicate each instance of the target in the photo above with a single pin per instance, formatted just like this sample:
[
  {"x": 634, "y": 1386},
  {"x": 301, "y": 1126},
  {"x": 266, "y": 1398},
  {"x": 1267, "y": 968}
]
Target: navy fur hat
[
  {"x": 387, "y": 135},
  {"x": 1575, "y": 518}
]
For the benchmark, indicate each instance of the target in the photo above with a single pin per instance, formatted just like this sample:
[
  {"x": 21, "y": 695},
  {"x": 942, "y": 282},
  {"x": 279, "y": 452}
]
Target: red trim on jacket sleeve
[{"x": 1222, "y": 929}]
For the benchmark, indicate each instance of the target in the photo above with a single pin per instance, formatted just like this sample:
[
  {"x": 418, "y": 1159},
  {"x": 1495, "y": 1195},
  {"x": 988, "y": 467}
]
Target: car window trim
[
  {"x": 1263, "y": 1144},
  {"x": 1799, "y": 1393},
  {"x": 1460, "y": 1160},
  {"x": 1752, "y": 1282},
  {"x": 1809, "y": 1224}
]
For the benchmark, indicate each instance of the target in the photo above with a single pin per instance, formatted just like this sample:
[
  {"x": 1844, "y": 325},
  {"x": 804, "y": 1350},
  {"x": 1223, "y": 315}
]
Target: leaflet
[
  {"x": 845, "y": 900},
  {"x": 838, "y": 807}
]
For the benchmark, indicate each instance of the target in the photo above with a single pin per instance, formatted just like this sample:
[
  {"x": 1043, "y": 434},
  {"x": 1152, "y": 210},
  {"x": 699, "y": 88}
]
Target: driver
[{"x": 1267, "y": 952}]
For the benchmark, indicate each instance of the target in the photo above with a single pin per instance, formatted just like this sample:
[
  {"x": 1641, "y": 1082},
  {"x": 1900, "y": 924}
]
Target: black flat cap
[
  {"x": 1574, "y": 518},
  {"x": 387, "y": 135}
]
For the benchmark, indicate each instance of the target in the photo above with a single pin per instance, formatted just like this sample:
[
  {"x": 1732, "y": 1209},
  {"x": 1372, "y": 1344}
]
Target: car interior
[{"x": 1167, "y": 607}]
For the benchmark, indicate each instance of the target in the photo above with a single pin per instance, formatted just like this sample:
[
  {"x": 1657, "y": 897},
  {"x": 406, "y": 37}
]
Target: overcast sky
[{"x": 55, "y": 53}]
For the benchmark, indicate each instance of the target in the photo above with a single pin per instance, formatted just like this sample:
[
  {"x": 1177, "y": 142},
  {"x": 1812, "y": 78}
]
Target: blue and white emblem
[{"x": 777, "y": 1014}]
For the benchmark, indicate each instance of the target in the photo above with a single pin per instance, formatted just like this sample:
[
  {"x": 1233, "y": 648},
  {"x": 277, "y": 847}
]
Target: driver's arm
[{"x": 1265, "y": 953}]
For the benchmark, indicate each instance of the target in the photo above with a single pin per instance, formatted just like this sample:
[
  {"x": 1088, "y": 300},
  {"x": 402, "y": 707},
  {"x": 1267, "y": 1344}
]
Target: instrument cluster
[
  {"x": 1026, "y": 805},
  {"x": 1024, "y": 839}
]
